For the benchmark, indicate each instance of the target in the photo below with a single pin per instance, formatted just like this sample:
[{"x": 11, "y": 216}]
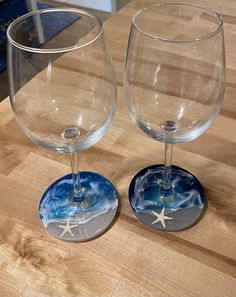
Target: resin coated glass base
[
  {"x": 71, "y": 221},
  {"x": 168, "y": 210}
]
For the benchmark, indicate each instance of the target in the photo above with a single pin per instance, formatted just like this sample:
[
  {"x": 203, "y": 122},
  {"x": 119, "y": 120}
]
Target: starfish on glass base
[
  {"x": 160, "y": 217},
  {"x": 67, "y": 228}
]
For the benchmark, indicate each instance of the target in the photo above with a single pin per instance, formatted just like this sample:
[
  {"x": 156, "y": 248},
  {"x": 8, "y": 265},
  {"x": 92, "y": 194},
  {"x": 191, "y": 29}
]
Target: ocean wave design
[
  {"x": 56, "y": 203},
  {"x": 145, "y": 190}
]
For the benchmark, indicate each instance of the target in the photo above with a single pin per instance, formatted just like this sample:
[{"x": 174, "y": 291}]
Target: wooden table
[{"x": 129, "y": 259}]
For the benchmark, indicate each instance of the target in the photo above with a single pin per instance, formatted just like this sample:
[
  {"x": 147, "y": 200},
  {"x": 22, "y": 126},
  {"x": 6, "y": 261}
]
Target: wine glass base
[
  {"x": 167, "y": 210},
  {"x": 72, "y": 221}
]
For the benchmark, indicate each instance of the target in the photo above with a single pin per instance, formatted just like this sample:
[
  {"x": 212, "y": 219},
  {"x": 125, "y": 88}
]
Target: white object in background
[{"x": 32, "y": 6}]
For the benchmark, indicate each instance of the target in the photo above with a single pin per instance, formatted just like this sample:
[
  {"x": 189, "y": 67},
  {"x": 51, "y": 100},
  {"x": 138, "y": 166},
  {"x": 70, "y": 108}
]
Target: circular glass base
[
  {"x": 175, "y": 209},
  {"x": 73, "y": 221}
]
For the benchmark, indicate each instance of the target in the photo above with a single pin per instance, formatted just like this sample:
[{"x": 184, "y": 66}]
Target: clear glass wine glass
[
  {"x": 63, "y": 94},
  {"x": 174, "y": 86}
]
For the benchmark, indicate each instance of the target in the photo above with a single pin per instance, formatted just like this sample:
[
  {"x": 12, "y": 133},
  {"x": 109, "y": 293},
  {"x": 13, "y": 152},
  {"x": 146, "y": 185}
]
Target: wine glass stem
[
  {"x": 166, "y": 180},
  {"x": 78, "y": 191}
]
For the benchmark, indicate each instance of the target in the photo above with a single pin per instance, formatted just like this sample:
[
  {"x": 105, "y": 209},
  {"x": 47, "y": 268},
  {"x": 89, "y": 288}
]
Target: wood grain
[{"x": 129, "y": 260}]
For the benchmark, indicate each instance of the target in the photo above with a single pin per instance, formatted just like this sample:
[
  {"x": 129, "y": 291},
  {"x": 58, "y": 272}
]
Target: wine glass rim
[
  {"x": 53, "y": 50},
  {"x": 203, "y": 37}
]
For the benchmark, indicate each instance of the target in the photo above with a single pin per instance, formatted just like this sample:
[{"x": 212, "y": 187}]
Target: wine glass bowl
[
  {"x": 63, "y": 94},
  {"x": 77, "y": 73},
  {"x": 174, "y": 86}
]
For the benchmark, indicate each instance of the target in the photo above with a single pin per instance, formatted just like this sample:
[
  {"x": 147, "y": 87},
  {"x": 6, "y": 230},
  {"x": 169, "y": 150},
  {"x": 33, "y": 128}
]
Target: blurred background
[{"x": 12, "y": 9}]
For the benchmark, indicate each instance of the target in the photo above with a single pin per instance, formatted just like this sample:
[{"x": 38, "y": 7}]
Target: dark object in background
[{"x": 9, "y": 11}]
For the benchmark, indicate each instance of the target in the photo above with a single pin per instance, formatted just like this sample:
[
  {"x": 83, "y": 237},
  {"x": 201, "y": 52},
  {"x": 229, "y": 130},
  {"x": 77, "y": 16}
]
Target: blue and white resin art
[
  {"x": 173, "y": 210},
  {"x": 72, "y": 221}
]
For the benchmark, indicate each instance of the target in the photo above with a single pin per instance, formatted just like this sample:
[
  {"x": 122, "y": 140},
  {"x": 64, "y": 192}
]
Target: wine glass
[
  {"x": 174, "y": 86},
  {"x": 63, "y": 94}
]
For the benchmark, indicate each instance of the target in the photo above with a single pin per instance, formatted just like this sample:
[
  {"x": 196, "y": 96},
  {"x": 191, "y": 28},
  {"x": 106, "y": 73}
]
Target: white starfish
[
  {"x": 67, "y": 228},
  {"x": 160, "y": 217}
]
